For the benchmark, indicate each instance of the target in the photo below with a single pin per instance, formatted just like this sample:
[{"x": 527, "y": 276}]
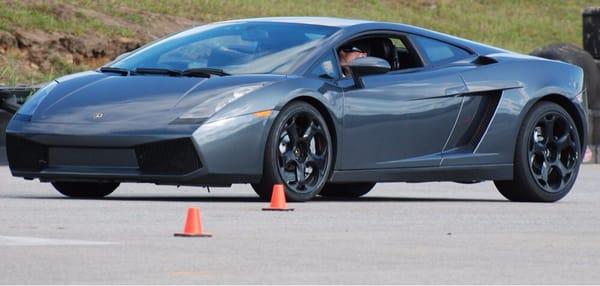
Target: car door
[{"x": 402, "y": 118}]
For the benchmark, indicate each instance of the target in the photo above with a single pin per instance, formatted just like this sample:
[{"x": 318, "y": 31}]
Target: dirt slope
[{"x": 38, "y": 52}]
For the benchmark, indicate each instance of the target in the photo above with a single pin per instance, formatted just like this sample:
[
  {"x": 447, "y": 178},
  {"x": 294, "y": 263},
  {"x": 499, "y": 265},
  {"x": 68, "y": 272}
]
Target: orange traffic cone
[
  {"x": 278, "y": 200},
  {"x": 193, "y": 225}
]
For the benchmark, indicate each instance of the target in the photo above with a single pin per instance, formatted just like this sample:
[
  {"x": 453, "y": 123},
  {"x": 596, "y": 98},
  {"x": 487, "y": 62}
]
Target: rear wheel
[
  {"x": 547, "y": 156},
  {"x": 298, "y": 153},
  {"x": 85, "y": 189},
  {"x": 346, "y": 190}
]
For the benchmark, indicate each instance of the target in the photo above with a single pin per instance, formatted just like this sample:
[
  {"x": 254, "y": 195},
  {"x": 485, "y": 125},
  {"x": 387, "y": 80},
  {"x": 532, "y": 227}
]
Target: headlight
[
  {"x": 29, "y": 107},
  {"x": 215, "y": 103}
]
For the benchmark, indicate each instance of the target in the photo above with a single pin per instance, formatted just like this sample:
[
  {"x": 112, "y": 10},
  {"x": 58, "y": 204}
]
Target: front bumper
[{"x": 217, "y": 153}]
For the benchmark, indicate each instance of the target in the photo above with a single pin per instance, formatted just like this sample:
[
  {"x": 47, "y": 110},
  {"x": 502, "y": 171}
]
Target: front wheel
[
  {"x": 85, "y": 189},
  {"x": 547, "y": 156},
  {"x": 298, "y": 153}
]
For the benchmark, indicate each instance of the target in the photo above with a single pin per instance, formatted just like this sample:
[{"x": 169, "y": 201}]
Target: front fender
[
  {"x": 235, "y": 145},
  {"x": 325, "y": 95}
]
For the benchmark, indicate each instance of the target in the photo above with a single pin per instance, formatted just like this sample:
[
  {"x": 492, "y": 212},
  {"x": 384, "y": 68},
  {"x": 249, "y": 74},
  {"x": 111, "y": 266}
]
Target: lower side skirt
[
  {"x": 201, "y": 178},
  {"x": 197, "y": 178},
  {"x": 426, "y": 174}
]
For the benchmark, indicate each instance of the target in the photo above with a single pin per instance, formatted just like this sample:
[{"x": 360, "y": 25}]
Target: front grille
[
  {"x": 92, "y": 157},
  {"x": 25, "y": 155},
  {"x": 169, "y": 157}
]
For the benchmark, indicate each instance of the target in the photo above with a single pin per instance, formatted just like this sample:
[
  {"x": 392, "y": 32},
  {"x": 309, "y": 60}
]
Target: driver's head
[{"x": 351, "y": 51}]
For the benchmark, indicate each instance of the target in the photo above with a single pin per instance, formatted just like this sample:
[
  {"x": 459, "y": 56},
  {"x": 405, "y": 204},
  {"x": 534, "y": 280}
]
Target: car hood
[{"x": 94, "y": 97}]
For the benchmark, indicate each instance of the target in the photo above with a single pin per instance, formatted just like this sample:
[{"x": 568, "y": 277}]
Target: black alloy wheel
[
  {"x": 553, "y": 152},
  {"x": 298, "y": 154},
  {"x": 547, "y": 156}
]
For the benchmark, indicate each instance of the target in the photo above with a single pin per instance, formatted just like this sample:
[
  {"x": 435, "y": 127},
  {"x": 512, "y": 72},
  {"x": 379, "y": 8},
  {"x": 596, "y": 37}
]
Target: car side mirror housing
[{"x": 367, "y": 66}]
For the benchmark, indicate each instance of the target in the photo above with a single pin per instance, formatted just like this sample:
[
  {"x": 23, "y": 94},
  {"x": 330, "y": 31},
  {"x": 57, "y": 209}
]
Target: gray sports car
[{"x": 325, "y": 106}]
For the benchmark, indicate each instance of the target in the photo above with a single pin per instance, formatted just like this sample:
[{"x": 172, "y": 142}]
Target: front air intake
[
  {"x": 170, "y": 157},
  {"x": 25, "y": 155}
]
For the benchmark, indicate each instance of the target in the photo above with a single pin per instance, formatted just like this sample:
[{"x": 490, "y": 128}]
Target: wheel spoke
[
  {"x": 316, "y": 161},
  {"x": 288, "y": 157},
  {"x": 563, "y": 142},
  {"x": 292, "y": 131},
  {"x": 534, "y": 160},
  {"x": 549, "y": 128},
  {"x": 300, "y": 176},
  {"x": 309, "y": 132},
  {"x": 564, "y": 171},
  {"x": 538, "y": 148},
  {"x": 544, "y": 172},
  {"x": 288, "y": 176},
  {"x": 536, "y": 171}
]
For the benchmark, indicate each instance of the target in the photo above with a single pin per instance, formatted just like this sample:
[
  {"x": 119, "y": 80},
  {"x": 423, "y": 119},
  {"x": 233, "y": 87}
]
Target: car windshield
[{"x": 234, "y": 48}]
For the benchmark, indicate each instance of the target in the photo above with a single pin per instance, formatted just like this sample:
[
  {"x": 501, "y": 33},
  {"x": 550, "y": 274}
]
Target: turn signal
[{"x": 264, "y": 113}]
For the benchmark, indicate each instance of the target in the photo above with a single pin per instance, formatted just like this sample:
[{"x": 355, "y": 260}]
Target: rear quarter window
[{"x": 437, "y": 52}]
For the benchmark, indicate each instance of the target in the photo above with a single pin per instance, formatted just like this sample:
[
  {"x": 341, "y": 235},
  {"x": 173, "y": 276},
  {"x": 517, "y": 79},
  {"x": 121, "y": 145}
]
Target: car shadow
[
  {"x": 242, "y": 199},
  {"x": 3, "y": 160}
]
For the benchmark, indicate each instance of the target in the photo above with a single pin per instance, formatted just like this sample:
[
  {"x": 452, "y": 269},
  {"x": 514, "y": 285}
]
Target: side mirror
[{"x": 367, "y": 66}]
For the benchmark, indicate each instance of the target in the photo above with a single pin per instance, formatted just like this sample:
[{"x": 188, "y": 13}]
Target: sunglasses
[{"x": 353, "y": 49}]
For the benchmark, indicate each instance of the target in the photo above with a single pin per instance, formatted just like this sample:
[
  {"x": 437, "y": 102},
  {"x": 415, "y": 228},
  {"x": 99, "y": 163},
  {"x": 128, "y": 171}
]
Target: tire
[
  {"x": 298, "y": 154},
  {"x": 85, "y": 189},
  {"x": 545, "y": 164},
  {"x": 346, "y": 190}
]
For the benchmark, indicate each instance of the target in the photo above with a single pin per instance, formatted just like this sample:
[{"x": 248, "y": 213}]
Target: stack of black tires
[{"x": 589, "y": 60}]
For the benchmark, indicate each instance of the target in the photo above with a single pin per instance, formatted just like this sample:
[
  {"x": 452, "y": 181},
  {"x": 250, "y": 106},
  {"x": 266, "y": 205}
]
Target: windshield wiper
[
  {"x": 203, "y": 72},
  {"x": 164, "y": 71},
  {"x": 115, "y": 70}
]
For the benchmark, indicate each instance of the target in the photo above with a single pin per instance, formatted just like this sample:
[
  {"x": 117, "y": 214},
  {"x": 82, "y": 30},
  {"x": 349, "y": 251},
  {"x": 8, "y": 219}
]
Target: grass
[
  {"x": 518, "y": 25},
  {"x": 43, "y": 16},
  {"x": 14, "y": 71}
]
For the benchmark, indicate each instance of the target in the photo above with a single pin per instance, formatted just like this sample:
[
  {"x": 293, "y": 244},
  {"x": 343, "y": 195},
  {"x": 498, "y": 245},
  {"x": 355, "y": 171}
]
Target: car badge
[{"x": 98, "y": 115}]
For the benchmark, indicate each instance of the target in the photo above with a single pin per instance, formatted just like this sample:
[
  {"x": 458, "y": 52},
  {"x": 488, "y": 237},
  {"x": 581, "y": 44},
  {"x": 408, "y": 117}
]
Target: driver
[{"x": 348, "y": 53}]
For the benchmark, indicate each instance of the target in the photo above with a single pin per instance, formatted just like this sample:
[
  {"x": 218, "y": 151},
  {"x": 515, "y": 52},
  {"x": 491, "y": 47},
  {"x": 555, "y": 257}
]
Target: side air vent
[
  {"x": 170, "y": 157},
  {"x": 25, "y": 155},
  {"x": 489, "y": 104},
  {"x": 476, "y": 115},
  {"x": 483, "y": 60}
]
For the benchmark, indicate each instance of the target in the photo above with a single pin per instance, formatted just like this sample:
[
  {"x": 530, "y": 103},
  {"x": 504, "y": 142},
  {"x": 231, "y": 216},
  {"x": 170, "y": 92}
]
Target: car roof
[
  {"x": 322, "y": 21},
  {"x": 362, "y": 24}
]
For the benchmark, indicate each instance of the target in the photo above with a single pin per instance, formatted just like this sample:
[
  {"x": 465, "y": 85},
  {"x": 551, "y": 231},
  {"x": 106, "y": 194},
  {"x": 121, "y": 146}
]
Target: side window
[
  {"x": 436, "y": 52},
  {"x": 407, "y": 57},
  {"x": 398, "y": 44},
  {"x": 326, "y": 67}
]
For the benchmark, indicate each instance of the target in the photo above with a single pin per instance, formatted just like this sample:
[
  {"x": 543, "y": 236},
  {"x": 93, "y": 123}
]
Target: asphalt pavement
[{"x": 399, "y": 233}]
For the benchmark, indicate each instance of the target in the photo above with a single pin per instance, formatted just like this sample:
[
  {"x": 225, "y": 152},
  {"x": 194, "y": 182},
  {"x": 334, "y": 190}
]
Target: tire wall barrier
[
  {"x": 577, "y": 56},
  {"x": 591, "y": 43}
]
